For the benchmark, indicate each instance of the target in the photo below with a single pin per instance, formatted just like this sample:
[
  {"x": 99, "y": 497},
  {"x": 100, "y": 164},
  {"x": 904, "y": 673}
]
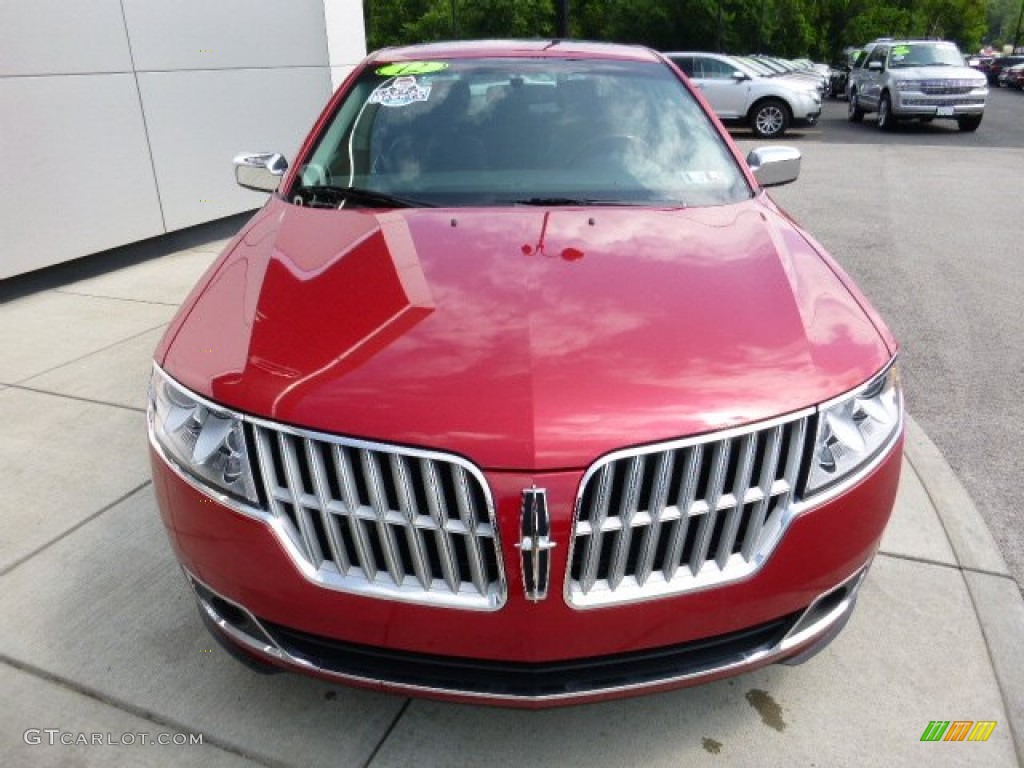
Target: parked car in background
[
  {"x": 521, "y": 390},
  {"x": 772, "y": 67},
  {"x": 1013, "y": 77},
  {"x": 739, "y": 93},
  {"x": 923, "y": 79},
  {"x": 821, "y": 70},
  {"x": 839, "y": 75},
  {"x": 995, "y": 69},
  {"x": 980, "y": 63},
  {"x": 790, "y": 69}
]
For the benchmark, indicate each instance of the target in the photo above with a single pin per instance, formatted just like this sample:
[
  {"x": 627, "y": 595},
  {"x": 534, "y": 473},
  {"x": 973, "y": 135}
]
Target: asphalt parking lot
[
  {"x": 100, "y": 634},
  {"x": 1002, "y": 127}
]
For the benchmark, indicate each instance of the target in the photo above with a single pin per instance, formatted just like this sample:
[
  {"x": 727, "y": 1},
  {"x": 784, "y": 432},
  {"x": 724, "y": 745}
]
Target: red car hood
[{"x": 522, "y": 338}]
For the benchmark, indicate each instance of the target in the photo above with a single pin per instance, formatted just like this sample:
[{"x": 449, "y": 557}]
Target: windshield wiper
[
  {"x": 370, "y": 197},
  {"x": 556, "y": 201}
]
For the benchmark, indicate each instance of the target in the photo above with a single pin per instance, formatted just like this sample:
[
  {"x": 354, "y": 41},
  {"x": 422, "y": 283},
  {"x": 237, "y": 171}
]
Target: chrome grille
[
  {"x": 948, "y": 87},
  {"x": 390, "y": 522},
  {"x": 664, "y": 519}
]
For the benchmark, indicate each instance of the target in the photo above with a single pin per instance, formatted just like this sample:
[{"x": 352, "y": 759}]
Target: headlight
[
  {"x": 905, "y": 85},
  {"x": 204, "y": 441},
  {"x": 852, "y": 431}
]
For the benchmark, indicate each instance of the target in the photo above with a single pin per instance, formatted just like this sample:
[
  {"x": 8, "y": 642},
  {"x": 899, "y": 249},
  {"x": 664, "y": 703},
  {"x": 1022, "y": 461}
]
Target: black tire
[
  {"x": 886, "y": 119},
  {"x": 853, "y": 111},
  {"x": 769, "y": 118},
  {"x": 969, "y": 123}
]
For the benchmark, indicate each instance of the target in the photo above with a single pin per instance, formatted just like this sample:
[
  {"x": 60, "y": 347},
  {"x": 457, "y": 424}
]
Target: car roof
[
  {"x": 698, "y": 53},
  {"x": 537, "y": 48}
]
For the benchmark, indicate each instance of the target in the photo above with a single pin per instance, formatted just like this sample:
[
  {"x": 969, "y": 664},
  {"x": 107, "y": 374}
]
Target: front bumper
[
  {"x": 912, "y": 104},
  {"x": 809, "y": 120},
  {"x": 527, "y": 653},
  {"x": 790, "y": 639},
  {"x": 806, "y": 108}
]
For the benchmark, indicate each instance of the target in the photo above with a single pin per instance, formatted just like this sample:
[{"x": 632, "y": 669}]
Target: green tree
[{"x": 820, "y": 29}]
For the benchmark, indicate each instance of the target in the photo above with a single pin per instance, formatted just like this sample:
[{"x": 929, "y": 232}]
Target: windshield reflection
[{"x": 492, "y": 132}]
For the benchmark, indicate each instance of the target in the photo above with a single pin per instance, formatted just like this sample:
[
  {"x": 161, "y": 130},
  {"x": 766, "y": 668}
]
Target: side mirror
[
  {"x": 774, "y": 166},
  {"x": 875, "y": 66},
  {"x": 740, "y": 76},
  {"x": 262, "y": 172}
]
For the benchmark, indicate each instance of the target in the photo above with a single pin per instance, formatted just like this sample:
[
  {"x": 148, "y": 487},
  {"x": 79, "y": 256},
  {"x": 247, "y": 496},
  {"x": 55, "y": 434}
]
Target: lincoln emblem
[{"x": 534, "y": 543}]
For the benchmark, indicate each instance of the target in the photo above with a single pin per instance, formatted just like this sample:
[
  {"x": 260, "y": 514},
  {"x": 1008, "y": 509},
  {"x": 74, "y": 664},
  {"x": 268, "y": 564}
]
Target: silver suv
[
  {"x": 738, "y": 93},
  {"x": 923, "y": 79}
]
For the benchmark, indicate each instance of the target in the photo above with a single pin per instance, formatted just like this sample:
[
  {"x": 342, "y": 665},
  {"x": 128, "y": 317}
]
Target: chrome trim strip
[
  {"x": 687, "y": 495},
  {"x": 790, "y": 645},
  {"x": 269, "y": 647},
  {"x": 490, "y": 599},
  {"x": 799, "y": 634},
  {"x": 659, "y": 497},
  {"x": 753, "y": 533},
  {"x": 628, "y": 507}
]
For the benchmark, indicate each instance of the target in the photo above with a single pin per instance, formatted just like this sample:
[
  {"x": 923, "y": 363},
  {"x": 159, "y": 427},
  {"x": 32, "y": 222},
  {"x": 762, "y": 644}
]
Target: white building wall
[{"x": 119, "y": 118}]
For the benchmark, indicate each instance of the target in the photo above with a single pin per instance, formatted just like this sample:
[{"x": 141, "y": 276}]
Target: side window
[
  {"x": 717, "y": 70},
  {"x": 685, "y": 63},
  {"x": 878, "y": 54}
]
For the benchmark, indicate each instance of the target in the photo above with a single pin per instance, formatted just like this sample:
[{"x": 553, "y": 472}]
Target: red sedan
[{"x": 519, "y": 389}]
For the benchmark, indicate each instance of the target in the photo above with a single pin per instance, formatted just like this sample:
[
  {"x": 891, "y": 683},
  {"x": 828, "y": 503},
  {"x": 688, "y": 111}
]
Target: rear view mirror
[
  {"x": 737, "y": 75},
  {"x": 262, "y": 171},
  {"x": 774, "y": 166}
]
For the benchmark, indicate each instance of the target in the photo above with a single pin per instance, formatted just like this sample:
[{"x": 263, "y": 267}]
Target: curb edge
[{"x": 998, "y": 604}]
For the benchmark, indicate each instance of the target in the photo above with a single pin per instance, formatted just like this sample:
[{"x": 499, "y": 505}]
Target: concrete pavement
[{"x": 100, "y": 639}]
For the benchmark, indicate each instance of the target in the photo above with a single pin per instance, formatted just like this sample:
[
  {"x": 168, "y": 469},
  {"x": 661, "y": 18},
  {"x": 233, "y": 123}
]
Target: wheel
[
  {"x": 969, "y": 123},
  {"x": 853, "y": 111},
  {"x": 608, "y": 146},
  {"x": 886, "y": 119},
  {"x": 769, "y": 118}
]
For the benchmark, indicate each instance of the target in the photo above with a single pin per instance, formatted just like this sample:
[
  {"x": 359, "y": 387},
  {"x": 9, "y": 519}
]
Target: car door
[
  {"x": 871, "y": 79},
  {"x": 726, "y": 94}
]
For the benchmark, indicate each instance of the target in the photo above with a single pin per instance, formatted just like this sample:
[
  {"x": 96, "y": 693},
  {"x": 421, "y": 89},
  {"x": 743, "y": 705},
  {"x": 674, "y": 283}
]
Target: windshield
[
  {"x": 925, "y": 55},
  {"x": 480, "y": 132}
]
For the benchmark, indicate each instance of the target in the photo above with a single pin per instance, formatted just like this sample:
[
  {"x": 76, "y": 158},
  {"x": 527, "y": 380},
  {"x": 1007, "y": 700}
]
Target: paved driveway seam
[
  {"x": 387, "y": 733},
  {"x": 117, "y": 298},
  {"x": 40, "y": 391},
  {"x": 64, "y": 534},
  {"x": 961, "y": 568},
  {"x": 90, "y": 353},
  {"x": 111, "y": 701}
]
